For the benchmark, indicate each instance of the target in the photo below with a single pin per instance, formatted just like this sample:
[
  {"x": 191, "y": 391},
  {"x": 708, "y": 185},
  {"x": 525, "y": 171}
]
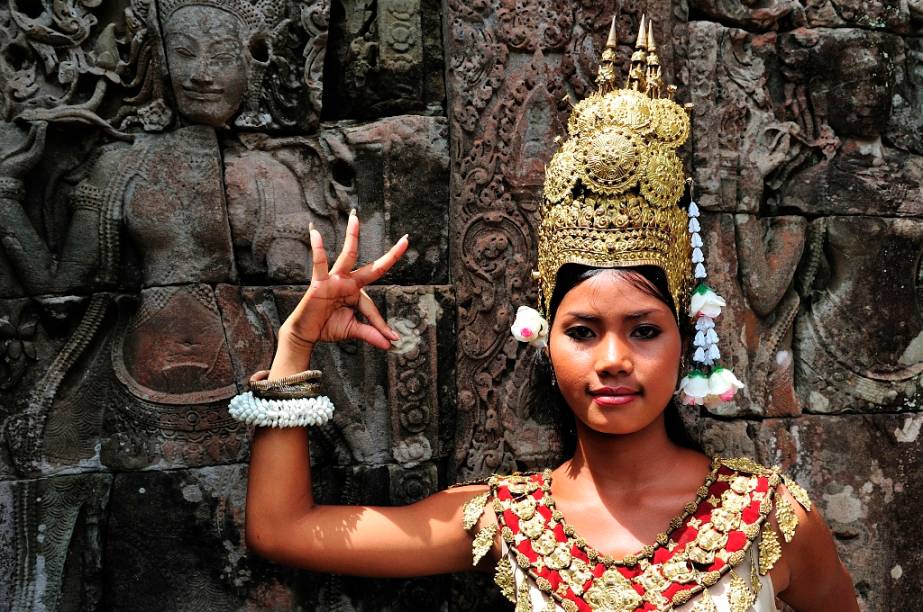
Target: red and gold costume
[{"x": 715, "y": 556}]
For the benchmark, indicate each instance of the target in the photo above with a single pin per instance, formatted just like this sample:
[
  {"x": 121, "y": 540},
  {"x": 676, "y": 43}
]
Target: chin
[
  {"x": 618, "y": 421},
  {"x": 206, "y": 114}
]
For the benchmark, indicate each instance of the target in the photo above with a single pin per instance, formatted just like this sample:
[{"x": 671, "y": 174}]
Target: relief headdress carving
[{"x": 612, "y": 199}]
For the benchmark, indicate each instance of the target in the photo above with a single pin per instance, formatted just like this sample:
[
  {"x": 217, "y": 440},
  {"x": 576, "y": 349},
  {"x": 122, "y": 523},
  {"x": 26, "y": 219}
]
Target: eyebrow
[
  {"x": 586, "y": 316},
  {"x": 225, "y": 41}
]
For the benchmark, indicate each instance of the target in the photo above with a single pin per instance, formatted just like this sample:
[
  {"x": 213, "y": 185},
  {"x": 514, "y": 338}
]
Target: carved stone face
[
  {"x": 208, "y": 61},
  {"x": 860, "y": 97}
]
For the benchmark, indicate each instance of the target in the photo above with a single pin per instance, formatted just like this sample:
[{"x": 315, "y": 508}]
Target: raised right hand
[{"x": 327, "y": 311}]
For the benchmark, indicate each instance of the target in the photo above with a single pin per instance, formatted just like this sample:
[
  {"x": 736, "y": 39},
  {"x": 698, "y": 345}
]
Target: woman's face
[{"x": 615, "y": 351}]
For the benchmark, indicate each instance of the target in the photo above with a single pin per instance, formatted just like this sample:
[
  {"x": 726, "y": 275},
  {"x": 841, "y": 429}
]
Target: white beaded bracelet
[{"x": 281, "y": 413}]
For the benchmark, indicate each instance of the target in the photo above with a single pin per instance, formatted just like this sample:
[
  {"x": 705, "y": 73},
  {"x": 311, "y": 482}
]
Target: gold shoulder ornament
[{"x": 473, "y": 509}]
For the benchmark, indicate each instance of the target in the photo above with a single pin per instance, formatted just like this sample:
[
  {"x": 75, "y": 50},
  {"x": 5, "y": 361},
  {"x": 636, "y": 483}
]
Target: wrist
[
  {"x": 294, "y": 341},
  {"x": 293, "y": 354}
]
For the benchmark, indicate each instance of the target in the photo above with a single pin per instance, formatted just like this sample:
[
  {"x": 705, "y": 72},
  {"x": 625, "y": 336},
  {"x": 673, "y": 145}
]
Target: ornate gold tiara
[{"x": 612, "y": 189}]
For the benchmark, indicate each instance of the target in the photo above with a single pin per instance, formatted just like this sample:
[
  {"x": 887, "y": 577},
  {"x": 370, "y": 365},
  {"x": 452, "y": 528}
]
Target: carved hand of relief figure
[
  {"x": 769, "y": 252},
  {"x": 20, "y": 148}
]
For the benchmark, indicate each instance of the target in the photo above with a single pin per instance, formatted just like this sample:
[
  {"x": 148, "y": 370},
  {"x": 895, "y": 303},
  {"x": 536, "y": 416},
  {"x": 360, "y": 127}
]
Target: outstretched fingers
[
  {"x": 367, "y": 333},
  {"x": 371, "y": 272},
  {"x": 347, "y": 259},
  {"x": 367, "y": 307},
  {"x": 319, "y": 272}
]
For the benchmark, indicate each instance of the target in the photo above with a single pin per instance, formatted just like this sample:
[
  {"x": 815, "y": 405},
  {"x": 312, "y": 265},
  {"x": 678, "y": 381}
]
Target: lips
[
  {"x": 202, "y": 94},
  {"x": 614, "y": 396}
]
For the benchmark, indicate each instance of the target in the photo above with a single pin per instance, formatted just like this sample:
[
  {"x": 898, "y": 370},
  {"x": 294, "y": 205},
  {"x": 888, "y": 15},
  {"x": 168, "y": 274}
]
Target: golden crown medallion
[{"x": 612, "y": 189}]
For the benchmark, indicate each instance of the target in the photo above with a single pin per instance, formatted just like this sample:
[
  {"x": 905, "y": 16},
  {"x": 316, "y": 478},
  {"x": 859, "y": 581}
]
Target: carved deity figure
[
  {"x": 174, "y": 217},
  {"x": 860, "y": 343}
]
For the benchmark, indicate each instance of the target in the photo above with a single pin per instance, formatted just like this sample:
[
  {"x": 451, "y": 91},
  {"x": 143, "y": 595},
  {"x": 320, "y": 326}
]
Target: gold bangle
[
  {"x": 289, "y": 391},
  {"x": 259, "y": 383}
]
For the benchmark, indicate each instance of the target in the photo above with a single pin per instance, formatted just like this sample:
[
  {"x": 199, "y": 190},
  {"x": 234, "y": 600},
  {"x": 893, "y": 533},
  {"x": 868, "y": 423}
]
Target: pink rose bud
[{"x": 525, "y": 332}]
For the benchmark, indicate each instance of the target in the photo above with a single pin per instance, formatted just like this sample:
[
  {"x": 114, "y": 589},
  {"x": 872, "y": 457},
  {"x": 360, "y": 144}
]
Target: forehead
[
  {"x": 611, "y": 292},
  {"x": 195, "y": 21}
]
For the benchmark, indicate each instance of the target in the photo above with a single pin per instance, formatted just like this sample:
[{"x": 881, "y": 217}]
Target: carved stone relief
[
  {"x": 161, "y": 163},
  {"x": 42, "y": 523},
  {"x": 386, "y": 57}
]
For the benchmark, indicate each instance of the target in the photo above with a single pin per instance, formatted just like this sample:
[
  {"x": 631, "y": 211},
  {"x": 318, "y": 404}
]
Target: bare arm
[
  {"x": 816, "y": 578},
  {"x": 282, "y": 522}
]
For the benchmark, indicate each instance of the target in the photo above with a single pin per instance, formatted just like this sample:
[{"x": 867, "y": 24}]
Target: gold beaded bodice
[{"x": 725, "y": 529}]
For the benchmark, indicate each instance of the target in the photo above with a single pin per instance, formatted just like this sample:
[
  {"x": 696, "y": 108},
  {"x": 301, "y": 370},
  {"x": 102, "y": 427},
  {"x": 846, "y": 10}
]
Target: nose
[
  {"x": 201, "y": 75},
  {"x": 613, "y": 357}
]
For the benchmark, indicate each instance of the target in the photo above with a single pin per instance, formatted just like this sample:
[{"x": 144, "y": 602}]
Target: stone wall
[{"x": 159, "y": 166}]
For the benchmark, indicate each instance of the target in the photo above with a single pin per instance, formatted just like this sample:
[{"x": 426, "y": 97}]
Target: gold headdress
[{"x": 612, "y": 188}]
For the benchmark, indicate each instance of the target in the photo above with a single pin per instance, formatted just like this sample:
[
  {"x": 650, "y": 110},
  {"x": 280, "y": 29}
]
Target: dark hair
[{"x": 652, "y": 281}]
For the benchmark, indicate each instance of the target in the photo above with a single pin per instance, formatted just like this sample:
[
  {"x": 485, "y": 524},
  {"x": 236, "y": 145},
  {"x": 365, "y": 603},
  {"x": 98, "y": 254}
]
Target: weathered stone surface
[
  {"x": 905, "y": 129},
  {"x": 741, "y": 140},
  {"x": 51, "y": 542},
  {"x": 761, "y": 16},
  {"x": 190, "y": 556},
  {"x": 858, "y": 344},
  {"x": 881, "y": 14},
  {"x": 250, "y": 325},
  {"x": 384, "y": 58},
  {"x": 40, "y": 435},
  {"x": 394, "y": 157}
]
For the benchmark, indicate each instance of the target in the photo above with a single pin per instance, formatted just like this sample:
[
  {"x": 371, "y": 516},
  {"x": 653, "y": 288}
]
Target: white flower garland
[
  {"x": 709, "y": 384},
  {"x": 281, "y": 413}
]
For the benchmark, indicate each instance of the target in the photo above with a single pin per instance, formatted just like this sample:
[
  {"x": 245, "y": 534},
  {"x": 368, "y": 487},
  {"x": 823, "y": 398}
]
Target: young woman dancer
[{"x": 633, "y": 520}]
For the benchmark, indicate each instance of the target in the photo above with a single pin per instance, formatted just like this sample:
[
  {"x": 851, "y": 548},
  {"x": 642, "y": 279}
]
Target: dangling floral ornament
[
  {"x": 531, "y": 327},
  {"x": 708, "y": 384}
]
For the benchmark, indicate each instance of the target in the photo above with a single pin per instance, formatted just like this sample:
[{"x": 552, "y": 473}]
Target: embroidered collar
[{"x": 711, "y": 536}]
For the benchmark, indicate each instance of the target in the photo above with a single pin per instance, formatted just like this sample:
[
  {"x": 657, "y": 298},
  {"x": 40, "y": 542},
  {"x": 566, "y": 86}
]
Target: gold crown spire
[
  {"x": 653, "y": 76},
  {"x": 612, "y": 189},
  {"x": 606, "y": 77},
  {"x": 639, "y": 58}
]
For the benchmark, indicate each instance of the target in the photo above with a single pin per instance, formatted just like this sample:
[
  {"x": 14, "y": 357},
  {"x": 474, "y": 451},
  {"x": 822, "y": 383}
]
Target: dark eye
[
  {"x": 646, "y": 332},
  {"x": 183, "y": 51},
  {"x": 579, "y": 332}
]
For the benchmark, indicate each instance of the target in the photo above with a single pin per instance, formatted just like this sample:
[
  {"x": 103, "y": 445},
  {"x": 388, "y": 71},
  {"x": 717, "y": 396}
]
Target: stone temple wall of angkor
[{"x": 160, "y": 161}]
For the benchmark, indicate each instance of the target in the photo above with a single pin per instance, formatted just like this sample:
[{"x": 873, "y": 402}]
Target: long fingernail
[
  {"x": 394, "y": 335},
  {"x": 352, "y": 212},
  {"x": 310, "y": 226},
  {"x": 405, "y": 237}
]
